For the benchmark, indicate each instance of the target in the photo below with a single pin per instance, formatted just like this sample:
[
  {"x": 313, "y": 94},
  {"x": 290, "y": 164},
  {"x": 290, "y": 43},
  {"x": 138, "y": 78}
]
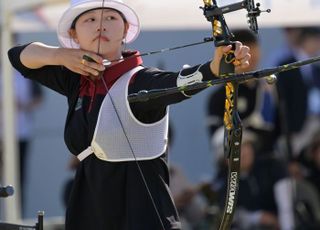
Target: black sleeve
[
  {"x": 56, "y": 78},
  {"x": 152, "y": 78}
]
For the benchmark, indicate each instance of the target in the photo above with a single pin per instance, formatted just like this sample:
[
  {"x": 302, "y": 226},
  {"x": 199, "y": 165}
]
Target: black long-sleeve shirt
[{"x": 112, "y": 195}]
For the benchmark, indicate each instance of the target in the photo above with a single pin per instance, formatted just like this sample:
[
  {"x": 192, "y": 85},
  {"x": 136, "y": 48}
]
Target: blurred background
[{"x": 164, "y": 24}]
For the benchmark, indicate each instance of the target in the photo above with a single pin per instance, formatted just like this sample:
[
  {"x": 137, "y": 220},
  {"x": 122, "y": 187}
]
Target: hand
[
  {"x": 241, "y": 54},
  {"x": 73, "y": 60}
]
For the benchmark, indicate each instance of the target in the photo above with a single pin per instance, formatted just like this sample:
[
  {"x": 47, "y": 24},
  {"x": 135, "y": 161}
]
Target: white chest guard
[{"x": 143, "y": 141}]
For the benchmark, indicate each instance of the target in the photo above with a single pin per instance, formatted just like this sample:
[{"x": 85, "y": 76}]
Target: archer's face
[{"x": 101, "y": 32}]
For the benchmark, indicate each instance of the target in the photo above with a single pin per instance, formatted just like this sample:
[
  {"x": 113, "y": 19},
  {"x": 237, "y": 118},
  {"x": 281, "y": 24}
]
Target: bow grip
[
  {"x": 229, "y": 57},
  {"x": 226, "y": 63}
]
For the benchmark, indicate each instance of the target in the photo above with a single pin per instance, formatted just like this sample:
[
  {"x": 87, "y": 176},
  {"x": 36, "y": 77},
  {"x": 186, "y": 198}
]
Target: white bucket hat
[{"x": 80, "y": 6}]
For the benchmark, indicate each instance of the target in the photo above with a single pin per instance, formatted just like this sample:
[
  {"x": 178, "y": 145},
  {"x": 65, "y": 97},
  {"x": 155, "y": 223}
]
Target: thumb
[
  {"x": 220, "y": 51},
  {"x": 226, "y": 49},
  {"x": 218, "y": 55}
]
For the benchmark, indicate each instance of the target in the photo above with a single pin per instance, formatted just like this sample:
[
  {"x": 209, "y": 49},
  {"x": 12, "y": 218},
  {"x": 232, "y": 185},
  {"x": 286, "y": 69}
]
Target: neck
[{"x": 114, "y": 58}]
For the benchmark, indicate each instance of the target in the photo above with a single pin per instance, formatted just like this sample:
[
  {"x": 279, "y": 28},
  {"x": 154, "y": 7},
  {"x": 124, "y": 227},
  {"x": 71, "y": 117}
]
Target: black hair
[{"x": 245, "y": 36}]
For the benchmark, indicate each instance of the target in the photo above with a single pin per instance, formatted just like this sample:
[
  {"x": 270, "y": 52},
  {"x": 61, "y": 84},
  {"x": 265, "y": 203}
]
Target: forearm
[{"x": 37, "y": 55}]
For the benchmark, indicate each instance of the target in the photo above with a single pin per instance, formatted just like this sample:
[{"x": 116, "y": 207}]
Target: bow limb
[
  {"x": 126, "y": 136},
  {"x": 232, "y": 145}
]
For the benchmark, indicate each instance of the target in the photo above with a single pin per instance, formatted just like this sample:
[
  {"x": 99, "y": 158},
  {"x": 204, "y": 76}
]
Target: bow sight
[{"x": 215, "y": 15}]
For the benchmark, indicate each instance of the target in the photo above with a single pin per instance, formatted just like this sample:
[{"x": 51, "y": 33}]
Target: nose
[{"x": 101, "y": 28}]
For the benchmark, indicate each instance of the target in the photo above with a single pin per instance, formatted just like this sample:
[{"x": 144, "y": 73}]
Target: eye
[
  {"x": 90, "y": 19},
  {"x": 110, "y": 18}
]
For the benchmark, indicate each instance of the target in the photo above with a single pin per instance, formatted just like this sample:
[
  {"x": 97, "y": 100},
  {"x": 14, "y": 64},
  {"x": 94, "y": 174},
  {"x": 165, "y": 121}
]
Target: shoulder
[
  {"x": 151, "y": 71},
  {"x": 152, "y": 74}
]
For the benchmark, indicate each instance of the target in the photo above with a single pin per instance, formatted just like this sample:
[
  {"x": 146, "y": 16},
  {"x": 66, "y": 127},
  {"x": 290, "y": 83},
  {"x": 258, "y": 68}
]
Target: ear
[
  {"x": 126, "y": 28},
  {"x": 73, "y": 35}
]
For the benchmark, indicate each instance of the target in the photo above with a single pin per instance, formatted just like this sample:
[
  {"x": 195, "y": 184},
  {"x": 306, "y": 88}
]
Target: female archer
[{"x": 122, "y": 180}]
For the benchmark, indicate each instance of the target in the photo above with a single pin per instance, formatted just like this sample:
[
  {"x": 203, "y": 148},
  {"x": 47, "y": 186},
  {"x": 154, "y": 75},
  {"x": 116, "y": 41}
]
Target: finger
[
  {"x": 226, "y": 49},
  {"x": 242, "y": 52},
  {"x": 94, "y": 61},
  {"x": 238, "y": 47},
  {"x": 96, "y": 66},
  {"x": 90, "y": 67},
  {"x": 85, "y": 67},
  {"x": 245, "y": 61},
  {"x": 81, "y": 72},
  {"x": 242, "y": 63},
  {"x": 89, "y": 70},
  {"x": 247, "y": 57},
  {"x": 92, "y": 57},
  {"x": 87, "y": 75}
]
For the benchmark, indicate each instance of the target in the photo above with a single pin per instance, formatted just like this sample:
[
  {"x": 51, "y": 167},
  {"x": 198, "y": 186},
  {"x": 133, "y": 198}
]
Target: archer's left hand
[{"x": 241, "y": 53}]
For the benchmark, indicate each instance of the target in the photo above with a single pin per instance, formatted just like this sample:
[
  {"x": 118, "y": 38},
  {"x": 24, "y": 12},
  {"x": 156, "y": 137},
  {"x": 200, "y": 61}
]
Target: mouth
[{"x": 102, "y": 38}]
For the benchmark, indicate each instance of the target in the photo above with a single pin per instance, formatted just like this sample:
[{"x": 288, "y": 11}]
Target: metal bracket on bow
[{"x": 220, "y": 29}]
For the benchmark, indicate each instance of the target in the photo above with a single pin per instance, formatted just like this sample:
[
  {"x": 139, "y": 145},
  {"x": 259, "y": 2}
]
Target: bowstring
[
  {"x": 205, "y": 40},
  {"x": 124, "y": 131}
]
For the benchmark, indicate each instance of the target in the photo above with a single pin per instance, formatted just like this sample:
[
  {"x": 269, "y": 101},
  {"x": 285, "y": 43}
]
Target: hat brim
[{"x": 74, "y": 11}]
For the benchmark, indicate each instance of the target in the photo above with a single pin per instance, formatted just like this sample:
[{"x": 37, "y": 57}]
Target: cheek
[
  {"x": 82, "y": 33},
  {"x": 81, "y": 37},
  {"x": 119, "y": 29}
]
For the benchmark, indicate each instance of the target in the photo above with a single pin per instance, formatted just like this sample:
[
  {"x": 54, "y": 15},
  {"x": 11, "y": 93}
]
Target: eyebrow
[
  {"x": 106, "y": 10},
  {"x": 73, "y": 24}
]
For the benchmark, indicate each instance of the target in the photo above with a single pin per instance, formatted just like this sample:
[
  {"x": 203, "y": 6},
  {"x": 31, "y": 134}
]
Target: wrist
[
  {"x": 214, "y": 68},
  {"x": 206, "y": 70},
  {"x": 57, "y": 56}
]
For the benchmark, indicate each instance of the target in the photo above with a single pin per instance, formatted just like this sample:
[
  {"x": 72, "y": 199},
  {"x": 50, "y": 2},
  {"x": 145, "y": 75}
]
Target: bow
[{"x": 232, "y": 122}]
